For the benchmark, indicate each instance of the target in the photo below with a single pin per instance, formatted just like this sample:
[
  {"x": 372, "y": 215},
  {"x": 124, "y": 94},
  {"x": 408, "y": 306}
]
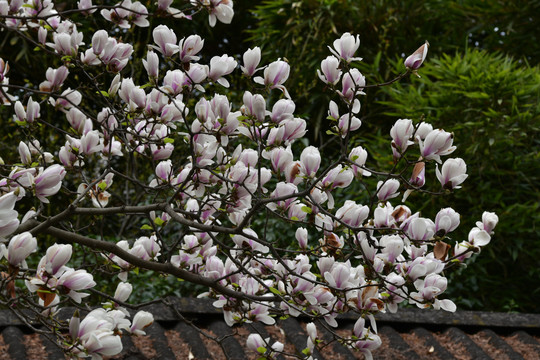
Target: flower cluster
[{"x": 202, "y": 177}]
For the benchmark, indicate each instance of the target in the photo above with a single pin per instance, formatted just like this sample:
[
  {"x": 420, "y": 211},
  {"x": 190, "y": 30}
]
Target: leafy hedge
[{"x": 492, "y": 104}]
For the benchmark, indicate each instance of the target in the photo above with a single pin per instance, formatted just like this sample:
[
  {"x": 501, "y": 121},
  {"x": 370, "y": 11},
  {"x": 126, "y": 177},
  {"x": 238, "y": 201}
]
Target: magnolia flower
[
  {"x": 387, "y": 189},
  {"x": 279, "y": 157},
  {"x": 254, "y": 105},
  {"x": 414, "y": 61},
  {"x": 423, "y": 130},
  {"x": 190, "y": 47},
  {"x": 220, "y": 66},
  {"x": 347, "y": 123},
  {"x": 401, "y": 132},
  {"x": 76, "y": 280},
  {"x": 250, "y": 241},
  {"x": 353, "y": 83},
  {"x": 123, "y": 16},
  {"x": 55, "y": 259},
  {"x": 20, "y": 246},
  {"x": 67, "y": 44},
  {"x": 141, "y": 320},
  {"x": 221, "y": 10},
  {"x": 55, "y": 79},
  {"x": 254, "y": 342},
  {"x": 489, "y": 221},
  {"x": 282, "y": 110},
  {"x": 310, "y": 160},
  {"x": 478, "y": 237},
  {"x": 252, "y": 58},
  {"x": 95, "y": 334},
  {"x": 392, "y": 247},
  {"x": 283, "y": 190},
  {"x": 352, "y": 213},
  {"x": 452, "y": 173},
  {"x": 31, "y": 113},
  {"x": 331, "y": 74},
  {"x": 165, "y": 40},
  {"x": 436, "y": 144},
  {"x": 339, "y": 276},
  {"x": 48, "y": 182},
  {"x": 8, "y": 217},
  {"x": 91, "y": 143},
  {"x": 421, "y": 229},
  {"x": 345, "y": 47},
  {"x": 275, "y": 75},
  {"x": 358, "y": 157},
  {"x": 447, "y": 220},
  {"x": 86, "y": 5}
]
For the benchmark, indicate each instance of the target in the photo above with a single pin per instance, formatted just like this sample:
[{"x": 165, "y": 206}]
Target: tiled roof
[{"x": 409, "y": 334}]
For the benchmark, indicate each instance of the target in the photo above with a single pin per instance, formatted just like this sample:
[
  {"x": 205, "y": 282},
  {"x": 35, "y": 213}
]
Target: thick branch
[{"x": 167, "y": 268}]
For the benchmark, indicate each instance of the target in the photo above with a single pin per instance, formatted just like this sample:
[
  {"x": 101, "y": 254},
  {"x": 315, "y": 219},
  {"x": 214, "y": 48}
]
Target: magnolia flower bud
[
  {"x": 414, "y": 61},
  {"x": 312, "y": 331},
  {"x": 42, "y": 35},
  {"x": 418, "y": 176},
  {"x": 24, "y": 153},
  {"x": 302, "y": 237},
  {"x": 20, "y": 113},
  {"x": 151, "y": 64}
]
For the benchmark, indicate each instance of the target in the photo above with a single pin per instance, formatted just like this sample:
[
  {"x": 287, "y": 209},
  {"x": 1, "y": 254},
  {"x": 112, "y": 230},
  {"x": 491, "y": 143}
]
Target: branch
[{"x": 72, "y": 238}]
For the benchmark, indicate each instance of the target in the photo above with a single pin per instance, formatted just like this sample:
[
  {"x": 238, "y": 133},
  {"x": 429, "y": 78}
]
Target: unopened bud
[{"x": 414, "y": 61}]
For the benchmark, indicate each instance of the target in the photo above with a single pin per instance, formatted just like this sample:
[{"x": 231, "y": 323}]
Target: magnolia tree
[{"x": 170, "y": 177}]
